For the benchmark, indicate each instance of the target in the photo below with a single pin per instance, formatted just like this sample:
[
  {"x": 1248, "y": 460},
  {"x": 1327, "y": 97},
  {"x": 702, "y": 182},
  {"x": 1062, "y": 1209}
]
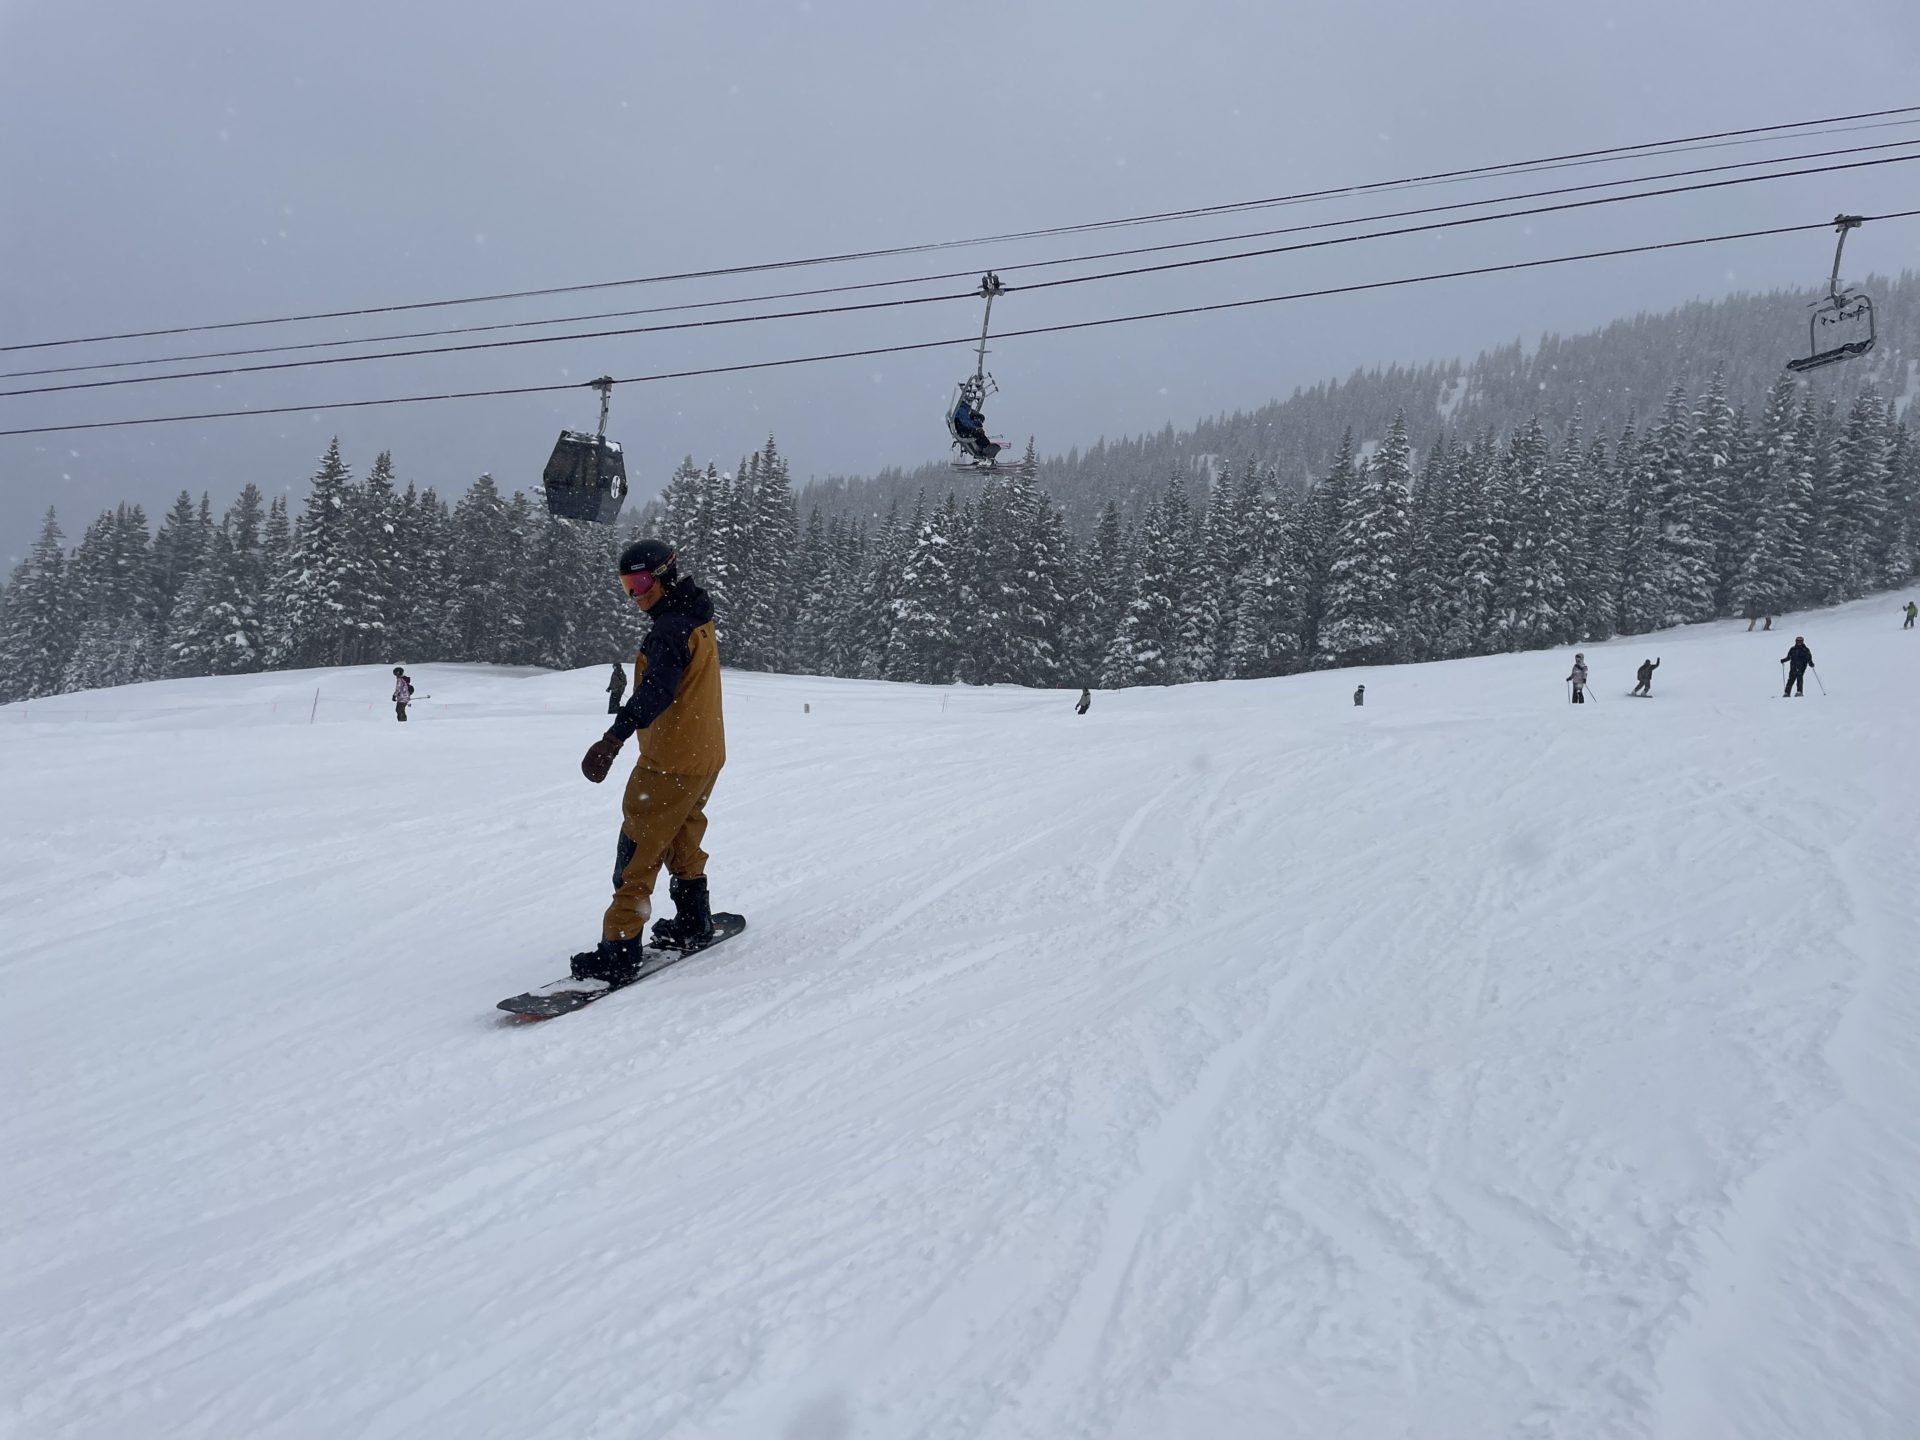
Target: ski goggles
[{"x": 640, "y": 583}]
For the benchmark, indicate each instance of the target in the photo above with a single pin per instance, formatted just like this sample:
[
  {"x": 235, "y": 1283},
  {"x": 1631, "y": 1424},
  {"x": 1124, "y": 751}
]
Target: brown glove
[{"x": 599, "y": 760}]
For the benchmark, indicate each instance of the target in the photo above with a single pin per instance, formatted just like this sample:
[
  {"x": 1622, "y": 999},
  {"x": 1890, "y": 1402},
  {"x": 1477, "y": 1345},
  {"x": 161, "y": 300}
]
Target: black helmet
[
  {"x": 653, "y": 557},
  {"x": 398, "y": 670}
]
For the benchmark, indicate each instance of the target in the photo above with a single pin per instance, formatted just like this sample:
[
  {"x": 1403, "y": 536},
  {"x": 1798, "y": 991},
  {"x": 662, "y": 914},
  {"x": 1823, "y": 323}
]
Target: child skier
[{"x": 1578, "y": 677}]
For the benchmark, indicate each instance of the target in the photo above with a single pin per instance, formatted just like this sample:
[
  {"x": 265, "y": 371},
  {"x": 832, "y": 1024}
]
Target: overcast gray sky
[{"x": 224, "y": 159}]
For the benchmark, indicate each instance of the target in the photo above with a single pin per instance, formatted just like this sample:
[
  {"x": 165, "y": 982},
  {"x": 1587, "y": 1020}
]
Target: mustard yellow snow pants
[{"x": 664, "y": 820}]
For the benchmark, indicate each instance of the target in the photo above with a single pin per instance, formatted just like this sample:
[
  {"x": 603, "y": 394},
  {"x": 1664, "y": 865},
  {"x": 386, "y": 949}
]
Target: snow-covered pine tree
[
  {"x": 1682, "y": 486},
  {"x": 553, "y": 588},
  {"x": 1477, "y": 569},
  {"x": 1769, "y": 556},
  {"x": 1226, "y": 549},
  {"x": 1902, "y": 506},
  {"x": 112, "y": 608},
  {"x": 881, "y": 588},
  {"x": 813, "y": 585},
  {"x": 1827, "y": 534},
  {"x": 1857, "y": 519},
  {"x": 375, "y": 611},
  {"x": 1713, "y": 453},
  {"x": 1015, "y": 602},
  {"x": 224, "y": 632},
  {"x": 1641, "y": 599},
  {"x": 1265, "y": 630},
  {"x": 845, "y": 620},
  {"x": 480, "y": 621},
  {"x": 1599, "y": 506},
  {"x": 1535, "y": 603},
  {"x": 1364, "y": 619},
  {"x": 1320, "y": 541},
  {"x": 762, "y": 600},
  {"x": 683, "y": 513},
  {"x": 36, "y": 628},
  {"x": 923, "y": 645},
  {"x": 185, "y": 532},
  {"x": 318, "y": 587},
  {"x": 1146, "y": 648}
]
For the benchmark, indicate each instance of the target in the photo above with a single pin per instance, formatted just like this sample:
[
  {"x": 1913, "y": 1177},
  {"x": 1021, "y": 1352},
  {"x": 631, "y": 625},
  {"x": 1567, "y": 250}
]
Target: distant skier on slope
[
  {"x": 1911, "y": 611},
  {"x": 676, "y": 708},
  {"x": 1084, "y": 703},
  {"x": 1797, "y": 660},
  {"x": 1359, "y": 695},
  {"x": 1644, "y": 677},
  {"x": 402, "y": 694},
  {"x": 616, "y": 687},
  {"x": 1577, "y": 677}
]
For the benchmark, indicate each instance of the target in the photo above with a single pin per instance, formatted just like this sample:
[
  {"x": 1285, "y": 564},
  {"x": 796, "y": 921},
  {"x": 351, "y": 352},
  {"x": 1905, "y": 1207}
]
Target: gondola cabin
[{"x": 586, "y": 477}]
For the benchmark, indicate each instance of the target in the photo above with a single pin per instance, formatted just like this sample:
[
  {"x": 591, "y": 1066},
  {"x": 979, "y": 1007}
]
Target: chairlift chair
[
  {"x": 1839, "y": 308},
  {"x": 586, "y": 476},
  {"x": 977, "y": 451}
]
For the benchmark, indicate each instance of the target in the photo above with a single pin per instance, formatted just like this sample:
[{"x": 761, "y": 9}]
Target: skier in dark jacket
[
  {"x": 1645, "y": 677},
  {"x": 1359, "y": 695},
  {"x": 1085, "y": 701},
  {"x": 675, "y": 706},
  {"x": 616, "y": 687},
  {"x": 1797, "y": 660}
]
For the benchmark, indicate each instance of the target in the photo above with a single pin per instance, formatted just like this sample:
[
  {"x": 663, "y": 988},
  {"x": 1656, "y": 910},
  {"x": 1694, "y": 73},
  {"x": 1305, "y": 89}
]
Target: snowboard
[{"x": 565, "y": 996}]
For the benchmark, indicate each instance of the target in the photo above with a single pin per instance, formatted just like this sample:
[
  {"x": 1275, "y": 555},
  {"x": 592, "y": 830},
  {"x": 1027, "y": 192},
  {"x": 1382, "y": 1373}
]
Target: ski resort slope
[{"x": 1229, "y": 1062}]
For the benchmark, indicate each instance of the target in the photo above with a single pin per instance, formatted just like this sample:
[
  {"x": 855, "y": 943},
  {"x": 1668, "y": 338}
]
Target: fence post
[{"x": 316, "y": 705}]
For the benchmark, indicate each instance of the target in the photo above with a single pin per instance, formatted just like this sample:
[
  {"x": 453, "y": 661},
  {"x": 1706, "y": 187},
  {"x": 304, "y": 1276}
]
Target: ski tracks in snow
[{"x": 1228, "y": 1062}]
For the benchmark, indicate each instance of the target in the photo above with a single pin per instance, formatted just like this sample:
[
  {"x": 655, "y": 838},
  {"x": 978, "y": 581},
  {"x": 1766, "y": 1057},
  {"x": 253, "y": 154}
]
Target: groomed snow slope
[{"x": 1226, "y": 1063}]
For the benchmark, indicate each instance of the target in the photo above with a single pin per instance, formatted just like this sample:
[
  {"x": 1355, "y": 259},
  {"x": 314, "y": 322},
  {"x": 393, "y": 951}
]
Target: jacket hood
[{"x": 685, "y": 598}]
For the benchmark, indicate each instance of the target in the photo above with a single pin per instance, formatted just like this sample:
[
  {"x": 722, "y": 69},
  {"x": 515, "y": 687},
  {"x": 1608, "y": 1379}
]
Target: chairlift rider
[{"x": 968, "y": 422}]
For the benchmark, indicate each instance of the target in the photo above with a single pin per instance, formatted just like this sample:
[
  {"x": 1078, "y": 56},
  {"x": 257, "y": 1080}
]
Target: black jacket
[
  {"x": 1798, "y": 658},
  {"x": 681, "y": 611}
]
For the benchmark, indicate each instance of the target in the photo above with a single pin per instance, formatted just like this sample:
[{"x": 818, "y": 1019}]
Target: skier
[
  {"x": 676, "y": 705},
  {"x": 1912, "y": 610},
  {"x": 402, "y": 694},
  {"x": 1359, "y": 695},
  {"x": 1085, "y": 701},
  {"x": 616, "y": 687},
  {"x": 1797, "y": 660},
  {"x": 1645, "y": 677},
  {"x": 1578, "y": 676}
]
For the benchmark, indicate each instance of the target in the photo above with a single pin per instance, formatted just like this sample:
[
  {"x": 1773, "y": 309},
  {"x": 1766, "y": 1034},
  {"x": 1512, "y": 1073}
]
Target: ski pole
[{"x": 1818, "y": 681}]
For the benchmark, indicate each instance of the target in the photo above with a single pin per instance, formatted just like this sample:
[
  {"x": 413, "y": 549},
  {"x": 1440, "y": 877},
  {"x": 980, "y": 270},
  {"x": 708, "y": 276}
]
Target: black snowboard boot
[
  {"x": 614, "y": 961},
  {"x": 692, "y": 922}
]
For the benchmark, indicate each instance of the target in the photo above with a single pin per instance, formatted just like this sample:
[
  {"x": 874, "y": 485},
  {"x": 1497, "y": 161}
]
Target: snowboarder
[
  {"x": 616, "y": 687},
  {"x": 402, "y": 694},
  {"x": 1359, "y": 695},
  {"x": 1912, "y": 610},
  {"x": 1577, "y": 677},
  {"x": 676, "y": 706},
  {"x": 1797, "y": 660},
  {"x": 1645, "y": 677},
  {"x": 1081, "y": 706}
]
